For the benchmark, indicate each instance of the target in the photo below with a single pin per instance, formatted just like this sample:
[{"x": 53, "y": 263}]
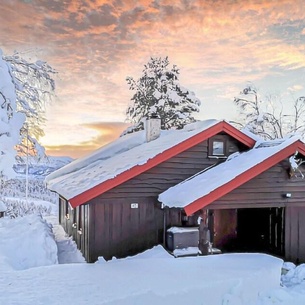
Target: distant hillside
[
  {"x": 40, "y": 170},
  {"x": 16, "y": 188}
]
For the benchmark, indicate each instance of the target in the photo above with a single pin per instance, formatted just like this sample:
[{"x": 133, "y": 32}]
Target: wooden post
[{"x": 204, "y": 233}]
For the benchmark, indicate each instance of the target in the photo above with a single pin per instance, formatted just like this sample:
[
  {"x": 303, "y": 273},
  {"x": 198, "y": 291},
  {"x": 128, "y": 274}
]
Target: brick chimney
[{"x": 152, "y": 128}]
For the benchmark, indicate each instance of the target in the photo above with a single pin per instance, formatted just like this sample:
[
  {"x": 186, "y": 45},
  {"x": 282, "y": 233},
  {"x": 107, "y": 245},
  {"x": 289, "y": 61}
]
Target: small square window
[{"x": 218, "y": 148}]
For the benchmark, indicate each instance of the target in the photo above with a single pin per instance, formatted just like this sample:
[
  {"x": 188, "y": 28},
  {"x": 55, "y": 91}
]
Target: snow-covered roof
[
  {"x": 200, "y": 185},
  {"x": 117, "y": 157}
]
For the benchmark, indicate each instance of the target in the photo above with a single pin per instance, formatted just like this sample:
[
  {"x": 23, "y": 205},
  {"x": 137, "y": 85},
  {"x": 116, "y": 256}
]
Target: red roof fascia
[
  {"x": 167, "y": 154},
  {"x": 238, "y": 135},
  {"x": 244, "y": 177}
]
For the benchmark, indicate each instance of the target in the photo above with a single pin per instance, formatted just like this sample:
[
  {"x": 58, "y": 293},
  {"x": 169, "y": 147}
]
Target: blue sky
[{"x": 218, "y": 45}]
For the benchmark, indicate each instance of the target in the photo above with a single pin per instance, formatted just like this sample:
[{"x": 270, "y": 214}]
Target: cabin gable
[
  {"x": 193, "y": 140},
  {"x": 268, "y": 189},
  {"x": 266, "y": 212},
  {"x": 244, "y": 176}
]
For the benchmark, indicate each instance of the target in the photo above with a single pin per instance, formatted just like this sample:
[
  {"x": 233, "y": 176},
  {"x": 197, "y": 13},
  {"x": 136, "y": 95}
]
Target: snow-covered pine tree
[{"x": 158, "y": 92}]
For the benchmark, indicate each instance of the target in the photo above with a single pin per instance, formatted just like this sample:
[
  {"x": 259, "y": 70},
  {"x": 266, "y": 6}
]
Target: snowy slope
[
  {"x": 26, "y": 242},
  {"x": 30, "y": 274}
]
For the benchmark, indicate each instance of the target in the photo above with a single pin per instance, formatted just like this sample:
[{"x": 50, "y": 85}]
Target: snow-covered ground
[{"x": 40, "y": 265}]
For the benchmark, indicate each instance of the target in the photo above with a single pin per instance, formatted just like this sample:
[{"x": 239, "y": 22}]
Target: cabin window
[{"x": 218, "y": 147}]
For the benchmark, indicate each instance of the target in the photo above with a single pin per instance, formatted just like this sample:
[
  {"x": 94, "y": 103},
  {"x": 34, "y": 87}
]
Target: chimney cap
[
  {"x": 153, "y": 116},
  {"x": 153, "y": 128}
]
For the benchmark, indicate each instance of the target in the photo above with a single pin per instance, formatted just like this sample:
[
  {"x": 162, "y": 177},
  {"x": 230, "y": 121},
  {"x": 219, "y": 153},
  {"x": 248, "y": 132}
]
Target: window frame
[{"x": 220, "y": 139}]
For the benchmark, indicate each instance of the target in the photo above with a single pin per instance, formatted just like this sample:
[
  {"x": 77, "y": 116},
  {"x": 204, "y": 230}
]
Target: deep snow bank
[
  {"x": 153, "y": 277},
  {"x": 230, "y": 279},
  {"x": 211, "y": 280},
  {"x": 292, "y": 291},
  {"x": 26, "y": 242}
]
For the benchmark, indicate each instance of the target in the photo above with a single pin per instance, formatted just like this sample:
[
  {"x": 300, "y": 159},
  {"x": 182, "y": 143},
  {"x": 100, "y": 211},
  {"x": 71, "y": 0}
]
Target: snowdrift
[
  {"x": 152, "y": 277},
  {"x": 26, "y": 242}
]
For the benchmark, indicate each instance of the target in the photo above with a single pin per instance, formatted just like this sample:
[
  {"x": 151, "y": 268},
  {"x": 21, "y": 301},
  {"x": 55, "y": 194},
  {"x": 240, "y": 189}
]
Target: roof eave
[{"x": 164, "y": 156}]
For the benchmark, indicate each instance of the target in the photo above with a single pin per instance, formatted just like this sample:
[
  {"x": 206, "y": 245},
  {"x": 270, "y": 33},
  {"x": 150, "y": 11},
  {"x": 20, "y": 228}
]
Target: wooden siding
[
  {"x": 295, "y": 234},
  {"x": 245, "y": 175},
  {"x": 80, "y": 230},
  {"x": 120, "y": 230},
  {"x": 65, "y": 216},
  {"x": 76, "y": 223},
  {"x": 266, "y": 190}
]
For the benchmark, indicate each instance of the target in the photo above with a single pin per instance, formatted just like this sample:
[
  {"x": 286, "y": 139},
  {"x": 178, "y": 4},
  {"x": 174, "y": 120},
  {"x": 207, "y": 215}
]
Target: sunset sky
[{"x": 219, "y": 46}]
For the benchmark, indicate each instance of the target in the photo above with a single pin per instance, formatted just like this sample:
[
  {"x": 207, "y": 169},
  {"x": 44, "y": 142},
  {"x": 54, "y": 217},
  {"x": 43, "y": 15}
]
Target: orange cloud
[
  {"x": 218, "y": 45},
  {"x": 107, "y": 132}
]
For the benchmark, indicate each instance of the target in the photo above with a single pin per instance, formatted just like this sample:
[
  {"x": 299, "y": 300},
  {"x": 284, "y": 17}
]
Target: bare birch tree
[{"x": 268, "y": 116}]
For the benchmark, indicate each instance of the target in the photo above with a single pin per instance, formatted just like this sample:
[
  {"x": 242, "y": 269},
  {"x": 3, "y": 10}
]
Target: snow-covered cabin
[{"x": 121, "y": 199}]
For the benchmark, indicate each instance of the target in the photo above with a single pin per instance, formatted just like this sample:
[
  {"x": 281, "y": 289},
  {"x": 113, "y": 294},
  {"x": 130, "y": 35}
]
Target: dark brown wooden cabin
[
  {"x": 128, "y": 218},
  {"x": 123, "y": 216}
]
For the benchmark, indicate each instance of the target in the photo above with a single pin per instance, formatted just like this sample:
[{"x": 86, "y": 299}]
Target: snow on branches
[
  {"x": 10, "y": 120},
  {"x": 158, "y": 92},
  {"x": 34, "y": 87},
  {"x": 268, "y": 116},
  {"x": 25, "y": 90}
]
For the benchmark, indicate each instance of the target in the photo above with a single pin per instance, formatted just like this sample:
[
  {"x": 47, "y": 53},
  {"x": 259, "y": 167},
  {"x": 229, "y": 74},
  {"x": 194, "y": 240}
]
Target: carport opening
[
  {"x": 260, "y": 230},
  {"x": 249, "y": 230}
]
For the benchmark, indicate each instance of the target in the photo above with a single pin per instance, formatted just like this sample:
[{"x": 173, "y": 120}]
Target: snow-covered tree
[
  {"x": 158, "y": 92},
  {"x": 25, "y": 88},
  {"x": 268, "y": 116}
]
